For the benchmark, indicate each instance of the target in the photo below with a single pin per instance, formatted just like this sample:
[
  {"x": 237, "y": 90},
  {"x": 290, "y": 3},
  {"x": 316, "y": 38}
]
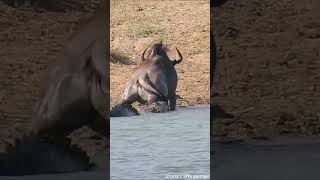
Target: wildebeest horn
[
  {"x": 180, "y": 58},
  {"x": 142, "y": 55}
]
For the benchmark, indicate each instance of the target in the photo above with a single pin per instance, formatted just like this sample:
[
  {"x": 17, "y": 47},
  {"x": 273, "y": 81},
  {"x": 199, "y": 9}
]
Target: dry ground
[{"x": 185, "y": 24}]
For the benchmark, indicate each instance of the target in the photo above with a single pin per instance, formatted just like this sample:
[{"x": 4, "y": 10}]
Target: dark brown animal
[
  {"x": 76, "y": 92},
  {"x": 75, "y": 95},
  {"x": 154, "y": 80}
]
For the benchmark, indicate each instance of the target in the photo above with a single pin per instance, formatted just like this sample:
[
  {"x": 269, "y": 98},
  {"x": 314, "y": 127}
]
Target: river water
[{"x": 157, "y": 146}]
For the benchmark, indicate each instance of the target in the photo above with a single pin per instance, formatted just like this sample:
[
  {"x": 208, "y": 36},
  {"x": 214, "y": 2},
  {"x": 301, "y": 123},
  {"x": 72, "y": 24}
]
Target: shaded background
[
  {"x": 30, "y": 37},
  {"x": 268, "y": 68}
]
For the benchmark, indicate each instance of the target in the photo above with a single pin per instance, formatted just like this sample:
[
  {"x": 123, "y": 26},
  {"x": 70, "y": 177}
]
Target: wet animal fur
[
  {"x": 156, "y": 107},
  {"x": 127, "y": 110},
  {"x": 123, "y": 110}
]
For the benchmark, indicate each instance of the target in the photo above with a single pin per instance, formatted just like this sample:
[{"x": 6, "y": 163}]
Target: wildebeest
[
  {"x": 154, "y": 80},
  {"x": 76, "y": 92},
  {"x": 75, "y": 95}
]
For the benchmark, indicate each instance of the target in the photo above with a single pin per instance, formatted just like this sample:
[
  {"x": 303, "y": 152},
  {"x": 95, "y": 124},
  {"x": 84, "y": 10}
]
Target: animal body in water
[
  {"x": 123, "y": 110},
  {"x": 154, "y": 80},
  {"x": 127, "y": 110}
]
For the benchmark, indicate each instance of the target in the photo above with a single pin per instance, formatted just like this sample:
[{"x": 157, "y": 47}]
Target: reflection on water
[{"x": 155, "y": 146}]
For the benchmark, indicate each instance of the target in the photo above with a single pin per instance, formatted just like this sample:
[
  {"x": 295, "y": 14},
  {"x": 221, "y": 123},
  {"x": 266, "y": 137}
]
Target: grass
[{"x": 119, "y": 58}]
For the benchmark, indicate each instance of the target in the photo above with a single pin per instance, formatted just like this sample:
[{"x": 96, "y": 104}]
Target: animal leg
[
  {"x": 153, "y": 98},
  {"x": 130, "y": 95},
  {"x": 172, "y": 102},
  {"x": 148, "y": 93}
]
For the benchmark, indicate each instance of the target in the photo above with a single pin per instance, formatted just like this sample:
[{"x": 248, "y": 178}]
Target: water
[{"x": 156, "y": 146}]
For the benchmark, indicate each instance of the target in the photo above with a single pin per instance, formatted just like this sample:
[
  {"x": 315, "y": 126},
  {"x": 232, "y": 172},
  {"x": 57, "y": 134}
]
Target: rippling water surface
[{"x": 157, "y": 146}]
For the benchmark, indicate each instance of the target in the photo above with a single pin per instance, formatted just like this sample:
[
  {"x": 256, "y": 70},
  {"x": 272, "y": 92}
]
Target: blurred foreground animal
[{"x": 75, "y": 95}]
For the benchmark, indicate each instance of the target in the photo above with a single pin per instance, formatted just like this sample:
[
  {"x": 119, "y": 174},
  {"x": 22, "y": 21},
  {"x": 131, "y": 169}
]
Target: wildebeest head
[{"x": 159, "y": 50}]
